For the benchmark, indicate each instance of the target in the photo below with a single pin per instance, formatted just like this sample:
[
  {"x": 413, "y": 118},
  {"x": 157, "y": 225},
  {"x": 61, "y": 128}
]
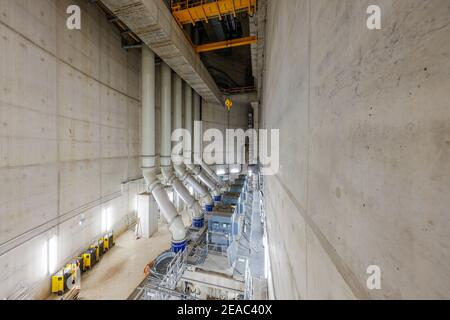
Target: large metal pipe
[
  {"x": 205, "y": 198},
  {"x": 188, "y": 122},
  {"x": 178, "y": 102},
  {"x": 149, "y": 170},
  {"x": 214, "y": 176},
  {"x": 204, "y": 178},
  {"x": 148, "y": 146},
  {"x": 166, "y": 165},
  {"x": 198, "y": 151},
  {"x": 166, "y": 115},
  {"x": 198, "y": 130}
]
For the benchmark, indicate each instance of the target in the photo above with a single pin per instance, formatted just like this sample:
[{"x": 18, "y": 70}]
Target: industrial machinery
[
  {"x": 80, "y": 261},
  {"x": 69, "y": 277},
  {"x": 101, "y": 247},
  {"x": 108, "y": 241},
  {"x": 90, "y": 258},
  {"x": 66, "y": 278},
  {"x": 216, "y": 262},
  {"x": 97, "y": 251},
  {"x": 235, "y": 199},
  {"x": 221, "y": 226}
]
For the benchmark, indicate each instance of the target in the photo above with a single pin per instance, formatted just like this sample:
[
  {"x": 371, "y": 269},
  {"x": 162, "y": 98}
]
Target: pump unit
[
  {"x": 231, "y": 198},
  {"x": 222, "y": 226},
  {"x": 215, "y": 263},
  {"x": 237, "y": 186},
  {"x": 235, "y": 199}
]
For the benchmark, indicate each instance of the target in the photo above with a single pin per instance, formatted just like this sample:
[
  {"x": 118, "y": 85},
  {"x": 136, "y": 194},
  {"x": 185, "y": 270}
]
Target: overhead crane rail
[{"x": 225, "y": 44}]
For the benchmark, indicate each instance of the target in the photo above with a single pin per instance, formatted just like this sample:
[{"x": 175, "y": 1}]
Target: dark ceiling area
[{"x": 231, "y": 68}]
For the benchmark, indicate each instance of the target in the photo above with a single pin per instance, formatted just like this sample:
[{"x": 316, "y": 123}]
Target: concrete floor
[{"x": 122, "y": 269}]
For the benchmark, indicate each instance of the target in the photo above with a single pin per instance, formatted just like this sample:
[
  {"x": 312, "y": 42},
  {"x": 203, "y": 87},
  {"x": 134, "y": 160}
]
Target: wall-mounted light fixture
[{"x": 52, "y": 254}]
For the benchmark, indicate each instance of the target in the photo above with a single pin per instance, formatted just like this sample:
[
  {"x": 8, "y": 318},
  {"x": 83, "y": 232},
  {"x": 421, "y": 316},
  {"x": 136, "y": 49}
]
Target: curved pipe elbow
[
  {"x": 177, "y": 229},
  {"x": 186, "y": 196},
  {"x": 170, "y": 213},
  {"x": 197, "y": 211}
]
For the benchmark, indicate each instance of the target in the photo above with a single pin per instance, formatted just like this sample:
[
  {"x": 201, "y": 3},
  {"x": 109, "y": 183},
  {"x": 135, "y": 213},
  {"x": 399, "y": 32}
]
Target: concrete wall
[
  {"x": 365, "y": 148},
  {"x": 69, "y": 135},
  {"x": 216, "y": 116}
]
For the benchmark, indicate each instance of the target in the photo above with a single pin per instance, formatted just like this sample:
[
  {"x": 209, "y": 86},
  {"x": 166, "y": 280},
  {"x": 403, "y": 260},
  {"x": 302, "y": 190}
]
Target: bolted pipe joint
[
  {"x": 179, "y": 246},
  {"x": 198, "y": 223}
]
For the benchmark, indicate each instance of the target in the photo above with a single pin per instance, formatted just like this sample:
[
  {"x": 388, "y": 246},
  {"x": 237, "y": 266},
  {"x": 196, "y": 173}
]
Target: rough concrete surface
[
  {"x": 365, "y": 150},
  {"x": 69, "y": 135}
]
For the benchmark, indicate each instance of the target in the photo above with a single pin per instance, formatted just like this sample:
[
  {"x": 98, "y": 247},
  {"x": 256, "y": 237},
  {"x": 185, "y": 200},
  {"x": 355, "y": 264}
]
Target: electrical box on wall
[{"x": 147, "y": 215}]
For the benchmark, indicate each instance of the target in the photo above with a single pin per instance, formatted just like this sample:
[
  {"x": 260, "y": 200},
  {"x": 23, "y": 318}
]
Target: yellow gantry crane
[{"x": 193, "y": 11}]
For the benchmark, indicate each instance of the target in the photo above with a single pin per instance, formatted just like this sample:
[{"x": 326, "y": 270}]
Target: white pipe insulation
[
  {"x": 205, "y": 179},
  {"x": 149, "y": 170},
  {"x": 166, "y": 165},
  {"x": 205, "y": 198},
  {"x": 178, "y": 102},
  {"x": 188, "y": 150},
  {"x": 198, "y": 151},
  {"x": 148, "y": 146},
  {"x": 223, "y": 185},
  {"x": 198, "y": 129},
  {"x": 166, "y": 115},
  {"x": 188, "y": 122}
]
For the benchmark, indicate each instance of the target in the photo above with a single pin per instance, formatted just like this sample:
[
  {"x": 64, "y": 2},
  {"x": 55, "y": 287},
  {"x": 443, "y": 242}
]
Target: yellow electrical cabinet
[
  {"x": 97, "y": 251},
  {"x": 58, "y": 284},
  {"x": 108, "y": 241},
  {"x": 101, "y": 247},
  {"x": 66, "y": 277},
  {"x": 89, "y": 258}
]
